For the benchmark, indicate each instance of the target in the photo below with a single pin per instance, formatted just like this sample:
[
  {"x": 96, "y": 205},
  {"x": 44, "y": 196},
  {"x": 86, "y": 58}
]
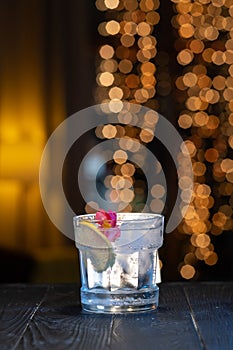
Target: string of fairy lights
[
  {"x": 126, "y": 72},
  {"x": 130, "y": 69},
  {"x": 204, "y": 46}
]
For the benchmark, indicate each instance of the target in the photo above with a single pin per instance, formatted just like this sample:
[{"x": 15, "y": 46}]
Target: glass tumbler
[{"x": 119, "y": 275}]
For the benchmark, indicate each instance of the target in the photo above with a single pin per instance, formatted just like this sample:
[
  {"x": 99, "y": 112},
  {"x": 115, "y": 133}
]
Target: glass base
[{"x": 120, "y": 301}]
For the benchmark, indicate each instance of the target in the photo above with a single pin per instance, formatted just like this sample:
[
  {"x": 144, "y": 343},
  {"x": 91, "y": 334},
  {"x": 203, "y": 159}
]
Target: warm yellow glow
[
  {"x": 10, "y": 193},
  {"x": 20, "y": 161},
  {"x": 10, "y": 132},
  {"x": 24, "y": 120},
  {"x": 23, "y": 142}
]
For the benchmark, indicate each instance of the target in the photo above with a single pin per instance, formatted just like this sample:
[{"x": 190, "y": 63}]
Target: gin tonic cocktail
[{"x": 119, "y": 260}]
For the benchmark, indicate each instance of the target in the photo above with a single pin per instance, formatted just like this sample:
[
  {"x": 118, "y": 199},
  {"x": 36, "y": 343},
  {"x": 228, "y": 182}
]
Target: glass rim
[{"x": 122, "y": 217}]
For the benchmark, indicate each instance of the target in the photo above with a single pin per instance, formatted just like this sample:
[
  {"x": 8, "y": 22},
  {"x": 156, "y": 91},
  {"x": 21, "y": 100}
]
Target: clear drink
[{"x": 120, "y": 276}]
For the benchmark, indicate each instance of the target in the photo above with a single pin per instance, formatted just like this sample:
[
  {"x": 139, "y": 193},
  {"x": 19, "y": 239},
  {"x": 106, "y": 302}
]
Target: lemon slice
[{"x": 98, "y": 247}]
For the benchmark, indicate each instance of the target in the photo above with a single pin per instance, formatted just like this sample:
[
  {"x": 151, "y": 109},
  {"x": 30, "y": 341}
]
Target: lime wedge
[{"x": 98, "y": 247}]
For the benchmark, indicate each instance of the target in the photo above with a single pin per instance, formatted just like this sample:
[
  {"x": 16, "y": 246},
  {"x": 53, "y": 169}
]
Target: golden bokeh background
[{"x": 173, "y": 56}]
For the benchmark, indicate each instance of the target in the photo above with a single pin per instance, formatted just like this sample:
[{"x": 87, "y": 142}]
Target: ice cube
[
  {"x": 141, "y": 235},
  {"x": 124, "y": 273},
  {"x": 139, "y": 239}
]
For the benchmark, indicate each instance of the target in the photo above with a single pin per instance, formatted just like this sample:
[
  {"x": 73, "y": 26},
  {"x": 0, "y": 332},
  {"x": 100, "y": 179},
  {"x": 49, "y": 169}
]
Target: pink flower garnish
[{"x": 108, "y": 220}]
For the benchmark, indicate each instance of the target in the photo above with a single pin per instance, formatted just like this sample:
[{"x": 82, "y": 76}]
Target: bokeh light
[
  {"x": 205, "y": 53},
  {"x": 131, "y": 69}
]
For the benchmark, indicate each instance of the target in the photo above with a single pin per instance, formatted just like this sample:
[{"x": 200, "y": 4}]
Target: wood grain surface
[
  {"x": 211, "y": 307},
  {"x": 190, "y": 316}
]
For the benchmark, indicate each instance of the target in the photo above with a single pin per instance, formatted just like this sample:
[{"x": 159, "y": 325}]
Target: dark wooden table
[{"x": 190, "y": 316}]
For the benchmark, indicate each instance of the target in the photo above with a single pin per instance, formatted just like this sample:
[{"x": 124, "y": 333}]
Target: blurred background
[{"x": 173, "y": 56}]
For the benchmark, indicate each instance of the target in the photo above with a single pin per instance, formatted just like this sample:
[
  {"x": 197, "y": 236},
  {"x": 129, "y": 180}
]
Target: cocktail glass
[{"x": 122, "y": 275}]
